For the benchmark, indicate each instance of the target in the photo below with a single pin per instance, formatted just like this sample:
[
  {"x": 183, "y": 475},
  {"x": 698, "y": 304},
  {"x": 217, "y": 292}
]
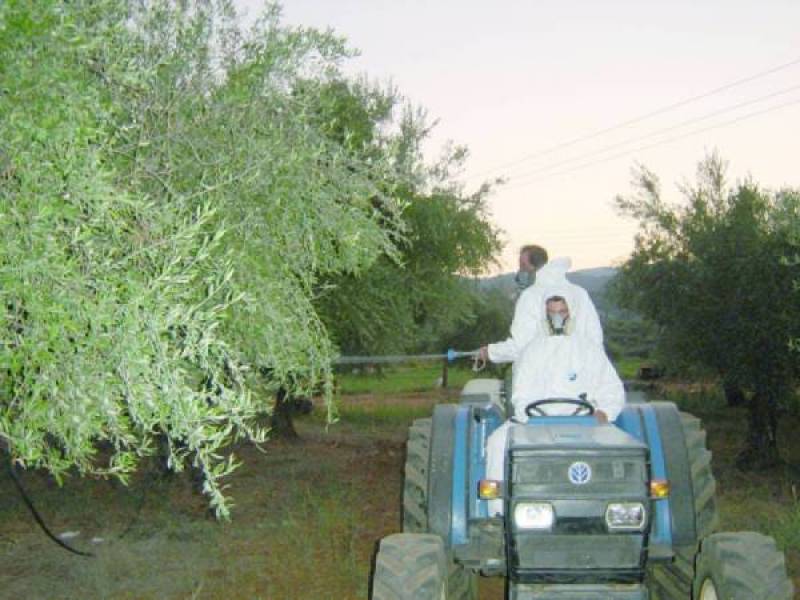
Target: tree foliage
[
  {"x": 493, "y": 310},
  {"x": 415, "y": 298},
  {"x": 168, "y": 207},
  {"x": 413, "y": 304},
  {"x": 710, "y": 273}
]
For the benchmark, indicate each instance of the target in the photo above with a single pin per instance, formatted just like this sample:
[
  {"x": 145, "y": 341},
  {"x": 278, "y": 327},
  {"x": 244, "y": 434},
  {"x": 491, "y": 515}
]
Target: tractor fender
[
  {"x": 448, "y": 475},
  {"x": 658, "y": 424},
  {"x": 482, "y": 392},
  {"x": 440, "y": 473},
  {"x": 676, "y": 458},
  {"x": 456, "y": 461}
]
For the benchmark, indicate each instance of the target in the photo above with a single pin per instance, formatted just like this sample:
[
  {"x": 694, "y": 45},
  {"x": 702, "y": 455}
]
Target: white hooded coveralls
[
  {"x": 530, "y": 318},
  {"x": 566, "y": 366}
]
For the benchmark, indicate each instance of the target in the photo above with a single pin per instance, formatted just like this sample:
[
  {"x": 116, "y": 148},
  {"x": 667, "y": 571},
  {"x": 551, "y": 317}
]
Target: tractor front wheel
[
  {"x": 740, "y": 566},
  {"x": 410, "y": 566}
]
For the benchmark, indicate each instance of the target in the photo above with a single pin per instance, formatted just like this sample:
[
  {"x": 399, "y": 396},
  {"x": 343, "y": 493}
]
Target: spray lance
[{"x": 478, "y": 364}]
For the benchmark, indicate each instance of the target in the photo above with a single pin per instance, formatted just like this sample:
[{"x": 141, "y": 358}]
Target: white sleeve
[
  {"x": 609, "y": 392},
  {"x": 503, "y": 352},
  {"x": 524, "y": 327},
  {"x": 589, "y": 325}
]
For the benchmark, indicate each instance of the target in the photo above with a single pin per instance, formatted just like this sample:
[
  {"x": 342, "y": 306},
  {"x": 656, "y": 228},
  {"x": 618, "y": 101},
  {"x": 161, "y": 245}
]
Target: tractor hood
[
  {"x": 540, "y": 457},
  {"x": 544, "y": 437}
]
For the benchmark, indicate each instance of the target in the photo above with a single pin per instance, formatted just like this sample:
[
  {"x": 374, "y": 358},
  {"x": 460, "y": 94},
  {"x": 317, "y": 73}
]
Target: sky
[{"x": 537, "y": 90}]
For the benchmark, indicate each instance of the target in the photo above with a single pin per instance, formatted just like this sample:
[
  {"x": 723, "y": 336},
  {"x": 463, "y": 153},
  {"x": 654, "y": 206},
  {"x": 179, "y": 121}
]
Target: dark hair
[
  {"x": 537, "y": 255},
  {"x": 555, "y": 299}
]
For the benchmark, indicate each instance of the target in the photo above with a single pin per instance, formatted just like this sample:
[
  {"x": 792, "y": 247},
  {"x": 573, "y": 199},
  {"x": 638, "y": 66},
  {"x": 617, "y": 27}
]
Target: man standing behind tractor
[{"x": 529, "y": 318}]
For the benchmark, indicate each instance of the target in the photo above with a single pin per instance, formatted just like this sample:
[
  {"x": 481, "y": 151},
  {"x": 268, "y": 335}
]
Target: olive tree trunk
[
  {"x": 281, "y": 421},
  {"x": 761, "y": 450}
]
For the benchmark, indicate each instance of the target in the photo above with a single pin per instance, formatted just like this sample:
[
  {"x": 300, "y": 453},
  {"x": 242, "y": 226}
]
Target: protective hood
[
  {"x": 551, "y": 280},
  {"x": 554, "y": 272},
  {"x": 530, "y": 315}
]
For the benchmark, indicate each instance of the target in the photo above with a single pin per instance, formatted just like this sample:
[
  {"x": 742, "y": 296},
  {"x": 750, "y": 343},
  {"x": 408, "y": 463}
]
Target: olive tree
[
  {"x": 709, "y": 273},
  {"x": 167, "y": 207}
]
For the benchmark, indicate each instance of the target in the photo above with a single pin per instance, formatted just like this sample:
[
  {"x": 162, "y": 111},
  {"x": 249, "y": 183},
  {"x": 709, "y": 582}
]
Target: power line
[
  {"x": 581, "y": 230},
  {"x": 705, "y": 117},
  {"x": 660, "y": 143},
  {"x": 586, "y": 235},
  {"x": 585, "y": 230},
  {"x": 610, "y": 228},
  {"x": 638, "y": 119}
]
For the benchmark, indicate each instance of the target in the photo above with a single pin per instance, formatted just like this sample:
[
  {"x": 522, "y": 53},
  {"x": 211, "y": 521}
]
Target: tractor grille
[
  {"x": 543, "y": 475},
  {"x": 579, "y": 547},
  {"x": 579, "y": 552},
  {"x": 586, "y": 591}
]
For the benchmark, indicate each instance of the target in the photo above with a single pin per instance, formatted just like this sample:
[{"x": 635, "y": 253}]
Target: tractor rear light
[
  {"x": 489, "y": 489},
  {"x": 625, "y": 515},
  {"x": 534, "y": 515},
  {"x": 659, "y": 488}
]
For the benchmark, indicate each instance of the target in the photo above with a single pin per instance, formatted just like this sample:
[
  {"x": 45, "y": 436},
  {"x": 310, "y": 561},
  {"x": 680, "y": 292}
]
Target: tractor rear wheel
[
  {"x": 741, "y": 566},
  {"x": 674, "y": 581},
  {"x": 462, "y": 583},
  {"x": 415, "y": 483},
  {"x": 410, "y": 566}
]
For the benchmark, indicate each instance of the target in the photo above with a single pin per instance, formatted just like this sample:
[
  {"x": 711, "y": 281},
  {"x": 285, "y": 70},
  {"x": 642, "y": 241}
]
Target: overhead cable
[
  {"x": 659, "y": 143},
  {"x": 638, "y": 119},
  {"x": 655, "y": 133}
]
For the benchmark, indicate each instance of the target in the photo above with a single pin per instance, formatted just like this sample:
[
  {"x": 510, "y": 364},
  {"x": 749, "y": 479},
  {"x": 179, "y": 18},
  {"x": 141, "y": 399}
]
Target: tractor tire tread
[
  {"x": 743, "y": 565},
  {"x": 462, "y": 584},
  {"x": 410, "y": 567},
  {"x": 415, "y": 483}
]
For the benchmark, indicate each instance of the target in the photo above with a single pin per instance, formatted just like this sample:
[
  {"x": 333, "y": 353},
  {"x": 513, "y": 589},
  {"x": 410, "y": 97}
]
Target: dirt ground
[
  {"x": 287, "y": 539},
  {"x": 306, "y": 520}
]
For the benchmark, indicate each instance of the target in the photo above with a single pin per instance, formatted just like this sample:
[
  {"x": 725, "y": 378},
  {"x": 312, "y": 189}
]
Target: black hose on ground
[{"x": 37, "y": 516}]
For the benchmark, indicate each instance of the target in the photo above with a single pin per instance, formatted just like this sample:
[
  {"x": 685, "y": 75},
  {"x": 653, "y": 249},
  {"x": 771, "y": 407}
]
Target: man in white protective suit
[
  {"x": 529, "y": 317},
  {"x": 561, "y": 363}
]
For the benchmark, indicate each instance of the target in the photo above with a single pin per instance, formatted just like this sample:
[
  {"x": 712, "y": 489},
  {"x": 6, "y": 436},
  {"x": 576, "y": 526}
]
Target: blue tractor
[{"x": 618, "y": 511}]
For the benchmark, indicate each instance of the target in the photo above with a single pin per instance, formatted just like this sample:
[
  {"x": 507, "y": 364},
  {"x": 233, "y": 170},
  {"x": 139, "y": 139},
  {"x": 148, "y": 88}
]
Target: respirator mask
[
  {"x": 558, "y": 323},
  {"x": 524, "y": 279}
]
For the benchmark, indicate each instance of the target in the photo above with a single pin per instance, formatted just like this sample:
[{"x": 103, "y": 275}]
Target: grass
[
  {"x": 385, "y": 413},
  {"x": 765, "y": 501},
  {"x": 627, "y": 367},
  {"x": 305, "y": 521},
  {"x": 786, "y": 528},
  {"x": 374, "y": 416},
  {"x": 403, "y": 379}
]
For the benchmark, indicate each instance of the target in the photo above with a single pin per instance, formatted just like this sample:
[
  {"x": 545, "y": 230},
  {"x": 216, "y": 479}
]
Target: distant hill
[{"x": 595, "y": 281}]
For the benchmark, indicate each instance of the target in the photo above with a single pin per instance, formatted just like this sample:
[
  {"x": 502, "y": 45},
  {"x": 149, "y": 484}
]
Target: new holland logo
[{"x": 579, "y": 473}]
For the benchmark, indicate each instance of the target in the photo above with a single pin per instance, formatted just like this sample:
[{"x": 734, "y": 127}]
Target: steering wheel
[{"x": 584, "y": 407}]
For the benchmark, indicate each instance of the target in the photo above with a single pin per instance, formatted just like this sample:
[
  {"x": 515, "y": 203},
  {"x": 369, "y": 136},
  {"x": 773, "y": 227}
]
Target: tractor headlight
[
  {"x": 625, "y": 515},
  {"x": 534, "y": 515}
]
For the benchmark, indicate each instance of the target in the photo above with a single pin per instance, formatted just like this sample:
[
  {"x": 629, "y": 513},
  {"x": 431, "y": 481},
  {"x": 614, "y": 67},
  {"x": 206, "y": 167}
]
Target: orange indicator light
[
  {"x": 489, "y": 489},
  {"x": 659, "y": 488}
]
